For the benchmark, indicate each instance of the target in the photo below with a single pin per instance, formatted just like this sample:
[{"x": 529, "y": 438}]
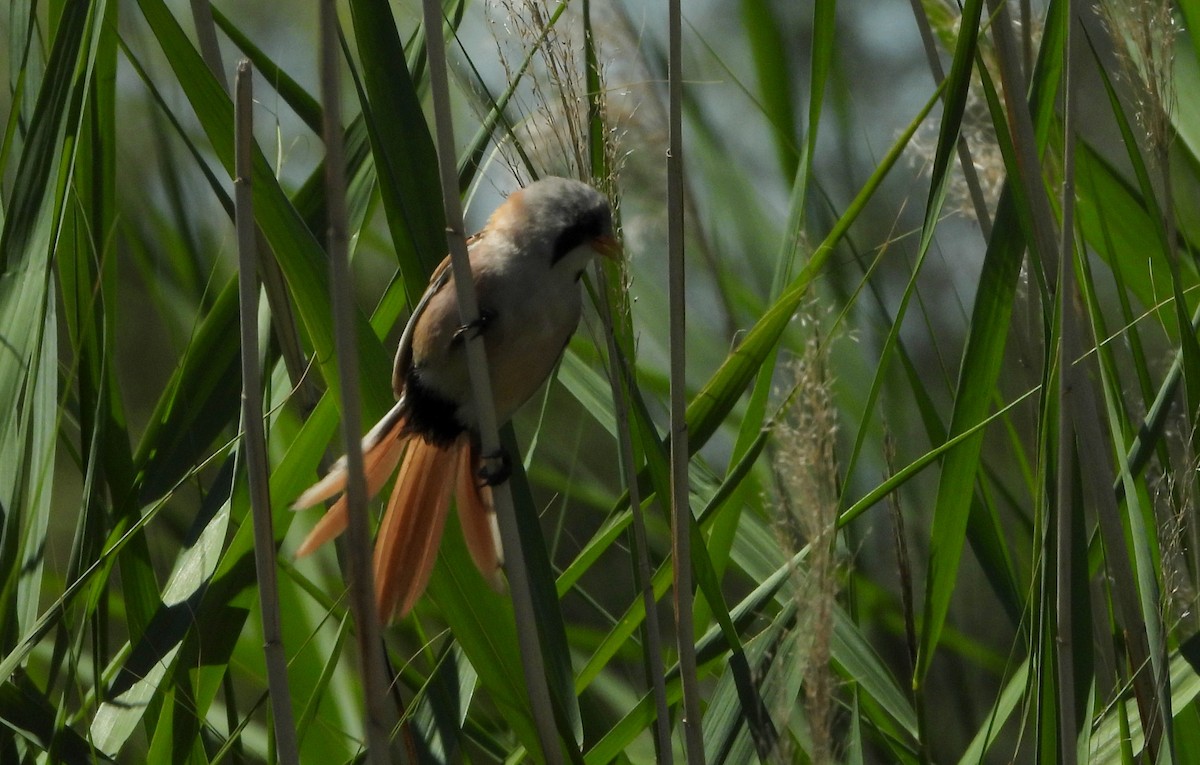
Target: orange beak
[{"x": 607, "y": 246}]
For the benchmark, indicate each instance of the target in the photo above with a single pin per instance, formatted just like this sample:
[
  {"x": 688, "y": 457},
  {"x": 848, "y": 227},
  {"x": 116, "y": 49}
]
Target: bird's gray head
[{"x": 571, "y": 219}]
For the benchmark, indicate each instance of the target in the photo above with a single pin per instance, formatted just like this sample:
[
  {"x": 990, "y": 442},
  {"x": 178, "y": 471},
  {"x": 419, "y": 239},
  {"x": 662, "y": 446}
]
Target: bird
[{"x": 526, "y": 264}]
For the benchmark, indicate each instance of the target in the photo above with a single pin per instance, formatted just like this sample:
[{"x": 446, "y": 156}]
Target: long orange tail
[
  {"x": 407, "y": 544},
  {"x": 382, "y": 448},
  {"x": 406, "y": 547},
  {"x": 478, "y": 519}
]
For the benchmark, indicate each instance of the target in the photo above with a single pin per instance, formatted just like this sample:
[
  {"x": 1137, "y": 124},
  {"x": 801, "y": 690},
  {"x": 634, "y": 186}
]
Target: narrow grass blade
[
  {"x": 981, "y": 364},
  {"x": 403, "y": 149},
  {"x": 717, "y": 397},
  {"x": 135, "y": 681},
  {"x": 956, "y": 90},
  {"x": 294, "y": 95},
  {"x": 32, "y": 716},
  {"x": 776, "y": 88},
  {"x": 33, "y": 225},
  {"x": 551, "y": 628},
  {"x": 300, "y": 255},
  {"x": 483, "y": 623}
]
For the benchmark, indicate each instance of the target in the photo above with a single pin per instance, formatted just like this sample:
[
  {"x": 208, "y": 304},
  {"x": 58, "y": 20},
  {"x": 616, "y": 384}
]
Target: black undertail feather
[{"x": 430, "y": 416}]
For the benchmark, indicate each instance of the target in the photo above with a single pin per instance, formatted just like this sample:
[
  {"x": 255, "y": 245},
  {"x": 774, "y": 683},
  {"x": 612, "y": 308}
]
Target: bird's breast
[
  {"x": 532, "y": 319},
  {"x": 528, "y": 343}
]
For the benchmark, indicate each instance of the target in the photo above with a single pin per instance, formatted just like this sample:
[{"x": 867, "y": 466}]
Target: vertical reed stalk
[
  {"x": 283, "y": 317},
  {"x": 622, "y": 381},
  {"x": 681, "y": 512},
  {"x": 1065, "y": 491},
  {"x": 373, "y": 669},
  {"x": 532, "y": 661},
  {"x": 254, "y": 439}
]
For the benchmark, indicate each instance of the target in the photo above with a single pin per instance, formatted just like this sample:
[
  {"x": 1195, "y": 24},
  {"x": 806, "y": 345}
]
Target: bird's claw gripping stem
[
  {"x": 495, "y": 468},
  {"x": 475, "y": 328}
]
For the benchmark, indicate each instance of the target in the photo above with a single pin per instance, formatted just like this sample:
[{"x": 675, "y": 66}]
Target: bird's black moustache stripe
[
  {"x": 430, "y": 416},
  {"x": 588, "y": 227}
]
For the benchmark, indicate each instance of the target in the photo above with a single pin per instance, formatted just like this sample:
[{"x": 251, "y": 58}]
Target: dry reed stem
[
  {"x": 372, "y": 663},
  {"x": 532, "y": 662},
  {"x": 255, "y": 442}
]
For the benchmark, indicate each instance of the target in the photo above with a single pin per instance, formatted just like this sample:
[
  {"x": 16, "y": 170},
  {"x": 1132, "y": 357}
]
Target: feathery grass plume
[
  {"x": 806, "y": 471},
  {"x": 986, "y": 158},
  {"x": 550, "y": 110},
  {"x": 552, "y": 130},
  {"x": 977, "y": 126},
  {"x": 551, "y": 133},
  {"x": 1173, "y": 494},
  {"x": 1143, "y": 34}
]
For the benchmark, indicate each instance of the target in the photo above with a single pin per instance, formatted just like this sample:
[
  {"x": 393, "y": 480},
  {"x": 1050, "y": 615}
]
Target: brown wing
[{"x": 404, "y": 351}]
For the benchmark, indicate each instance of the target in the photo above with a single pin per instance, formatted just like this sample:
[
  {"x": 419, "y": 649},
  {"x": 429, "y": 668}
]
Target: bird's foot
[
  {"x": 494, "y": 468},
  {"x": 475, "y": 328}
]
